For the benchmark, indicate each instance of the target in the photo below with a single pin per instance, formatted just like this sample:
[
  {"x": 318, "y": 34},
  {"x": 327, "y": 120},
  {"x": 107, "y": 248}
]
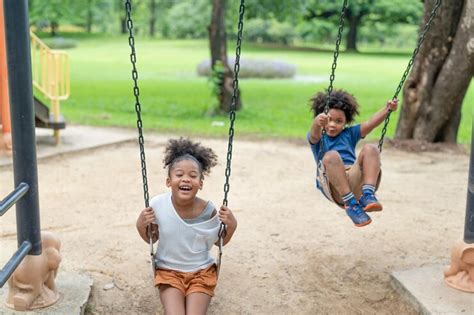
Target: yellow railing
[{"x": 50, "y": 74}]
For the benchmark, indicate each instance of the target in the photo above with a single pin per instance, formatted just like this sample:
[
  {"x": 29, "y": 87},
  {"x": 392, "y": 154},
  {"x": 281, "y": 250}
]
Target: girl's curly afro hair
[
  {"x": 184, "y": 149},
  {"x": 339, "y": 99}
]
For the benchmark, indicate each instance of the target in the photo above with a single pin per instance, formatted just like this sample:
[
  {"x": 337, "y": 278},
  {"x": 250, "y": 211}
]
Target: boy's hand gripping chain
[{"x": 331, "y": 80}]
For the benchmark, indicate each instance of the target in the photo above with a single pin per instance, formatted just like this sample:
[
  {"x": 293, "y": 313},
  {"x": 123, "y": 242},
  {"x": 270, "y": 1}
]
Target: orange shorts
[{"x": 204, "y": 280}]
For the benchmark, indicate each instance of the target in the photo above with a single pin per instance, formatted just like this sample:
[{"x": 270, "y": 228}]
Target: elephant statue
[
  {"x": 460, "y": 274},
  {"x": 32, "y": 286}
]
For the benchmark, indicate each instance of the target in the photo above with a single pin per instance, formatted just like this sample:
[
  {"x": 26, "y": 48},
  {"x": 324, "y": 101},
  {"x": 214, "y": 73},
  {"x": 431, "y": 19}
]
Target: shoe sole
[
  {"x": 372, "y": 207},
  {"x": 364, "y": 224}
]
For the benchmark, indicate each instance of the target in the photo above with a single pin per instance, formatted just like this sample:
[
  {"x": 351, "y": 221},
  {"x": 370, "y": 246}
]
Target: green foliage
[
  {"x": 44, "y": 13},
  {"x": 320, "y": 31},
  {"x": 317, "y": 20},
  {"x": 189, "y": 19},
  {"x": 216, "y": 79},
  {"x": 269, "y": 31},
  {"x": 266, "y": 21}
]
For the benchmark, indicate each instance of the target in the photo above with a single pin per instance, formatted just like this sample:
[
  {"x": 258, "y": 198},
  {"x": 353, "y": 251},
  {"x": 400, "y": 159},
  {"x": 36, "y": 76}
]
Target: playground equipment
[
  {"x": 460, "y": 273},
  {"x": 39, "y": 268},
  {"x": 50, "y": 77},
  {"x": 136, "y": 93},
  {"x": 5, "y": 136},
  {"x": 32, "y": 284}
]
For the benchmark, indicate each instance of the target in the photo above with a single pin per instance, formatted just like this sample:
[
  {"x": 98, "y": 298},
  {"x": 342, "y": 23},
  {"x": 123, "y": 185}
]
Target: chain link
[
  {"x": 240, "y": 27},
  {"x": 332, "y": 76},
  {"x": 136, "y": 93},
  {"x": 407, "y": 70},
  {"x": 336, "y": 54}
]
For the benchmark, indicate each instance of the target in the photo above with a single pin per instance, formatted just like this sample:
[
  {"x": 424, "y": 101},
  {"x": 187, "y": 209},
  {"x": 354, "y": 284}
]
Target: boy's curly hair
[
  {"x": 340, "y": 99},
  {"x": 184, "y": 149}
]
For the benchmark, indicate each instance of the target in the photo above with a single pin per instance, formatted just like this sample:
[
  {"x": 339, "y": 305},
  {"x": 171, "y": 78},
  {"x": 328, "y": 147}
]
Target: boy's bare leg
[
  {"x": 336, "y": 172},
  {"x": 197, "y": 303},
  {"x": 369, "y": 161},
  {"x": 173, "y": 300}
]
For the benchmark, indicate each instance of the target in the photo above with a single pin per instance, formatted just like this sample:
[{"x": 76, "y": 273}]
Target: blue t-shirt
[{"x": 344, "y": 143}]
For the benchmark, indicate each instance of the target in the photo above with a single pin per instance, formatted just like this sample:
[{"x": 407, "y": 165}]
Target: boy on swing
[{"x": 348, "y": 180}]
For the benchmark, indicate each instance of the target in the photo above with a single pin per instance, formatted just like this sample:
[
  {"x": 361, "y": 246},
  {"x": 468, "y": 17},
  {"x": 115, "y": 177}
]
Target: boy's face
[
  {"x": 185, "y": 179},
  {"x": 337, "y": 122}
]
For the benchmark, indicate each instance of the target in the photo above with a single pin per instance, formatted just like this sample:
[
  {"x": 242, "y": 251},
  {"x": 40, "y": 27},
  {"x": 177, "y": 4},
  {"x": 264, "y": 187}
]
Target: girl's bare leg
[
  {"x": 197, "y": 303},
  {"x": 173, "y": 300}
]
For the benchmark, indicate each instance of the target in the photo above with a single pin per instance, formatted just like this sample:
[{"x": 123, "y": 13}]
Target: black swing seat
[{"x": 44, "y": 119}]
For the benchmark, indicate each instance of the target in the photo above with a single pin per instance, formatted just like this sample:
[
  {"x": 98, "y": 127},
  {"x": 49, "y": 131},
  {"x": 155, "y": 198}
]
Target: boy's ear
[{"x": 168, "y": 182}]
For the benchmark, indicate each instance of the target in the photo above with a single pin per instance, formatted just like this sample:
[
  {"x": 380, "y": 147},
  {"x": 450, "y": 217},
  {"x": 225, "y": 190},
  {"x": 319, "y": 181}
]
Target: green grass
[{"x": 175, "y": 99}]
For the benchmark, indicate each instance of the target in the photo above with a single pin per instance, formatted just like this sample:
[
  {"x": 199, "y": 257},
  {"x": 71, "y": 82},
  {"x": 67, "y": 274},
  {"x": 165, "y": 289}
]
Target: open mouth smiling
[{"x": 185, "y": 188}]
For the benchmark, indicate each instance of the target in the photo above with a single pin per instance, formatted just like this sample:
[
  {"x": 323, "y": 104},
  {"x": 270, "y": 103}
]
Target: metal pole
[
  {"x": 23, "y": 121},
  {"x": 469, "y": 225}
]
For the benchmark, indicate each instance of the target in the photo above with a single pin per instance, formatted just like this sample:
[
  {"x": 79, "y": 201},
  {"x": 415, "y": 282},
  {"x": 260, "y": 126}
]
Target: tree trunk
[
  {"x": 435, "y": 88},
  {"x": 54, "y": 28},
  {"x": 120, "y": 7},
  {"x": 217, "y": 39},
  {"x": 89, "y": 16},
  {"x": 152, "y": 18},
  {"x": 353, "y": 21},
  {"x": 123, "y": 25}
]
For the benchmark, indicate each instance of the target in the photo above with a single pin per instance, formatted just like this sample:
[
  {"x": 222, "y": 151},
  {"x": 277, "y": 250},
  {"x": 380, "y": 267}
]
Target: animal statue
[
  {"x": 460, "y": 274},
  {"x": 32, "y": 285}
]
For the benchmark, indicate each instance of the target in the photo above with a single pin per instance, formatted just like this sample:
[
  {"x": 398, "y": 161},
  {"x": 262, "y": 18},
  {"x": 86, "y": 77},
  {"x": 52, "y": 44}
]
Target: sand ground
[{"x": 293, "y": 252}]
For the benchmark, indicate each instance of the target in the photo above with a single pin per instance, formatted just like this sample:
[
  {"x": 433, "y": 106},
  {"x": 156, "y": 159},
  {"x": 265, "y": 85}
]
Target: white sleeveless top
[{"x": 183, "y": 246}]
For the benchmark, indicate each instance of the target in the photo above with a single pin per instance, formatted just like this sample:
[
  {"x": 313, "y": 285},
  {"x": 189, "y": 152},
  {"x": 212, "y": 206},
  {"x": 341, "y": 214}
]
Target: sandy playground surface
[{"x": 293, "y": 252}]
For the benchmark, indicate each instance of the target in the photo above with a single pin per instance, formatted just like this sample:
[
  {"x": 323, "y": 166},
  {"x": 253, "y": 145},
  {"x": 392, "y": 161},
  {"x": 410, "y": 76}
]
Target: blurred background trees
[{"x": 369, "y": 23}]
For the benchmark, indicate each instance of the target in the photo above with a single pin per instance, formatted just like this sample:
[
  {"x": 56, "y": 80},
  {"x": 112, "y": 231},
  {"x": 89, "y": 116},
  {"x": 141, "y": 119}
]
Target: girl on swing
[
  {"x": 187, "y": 227},
  {"x": 344, "y": 178}
]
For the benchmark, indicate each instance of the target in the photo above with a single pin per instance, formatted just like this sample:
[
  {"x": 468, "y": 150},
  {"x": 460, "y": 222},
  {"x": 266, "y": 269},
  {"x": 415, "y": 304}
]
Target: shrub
[
  {"x": 60, "y": 42},
  {"x": 254, "y": 68},
  {"x": 188, "y": 19},
  {"x": 269, "y": 31}
]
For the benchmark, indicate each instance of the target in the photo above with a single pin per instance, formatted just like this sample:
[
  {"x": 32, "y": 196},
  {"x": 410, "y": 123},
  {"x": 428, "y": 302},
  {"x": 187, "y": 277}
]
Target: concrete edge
[
  {"x": 52, "y": 155},
  {"x": 407, "y": 296}
]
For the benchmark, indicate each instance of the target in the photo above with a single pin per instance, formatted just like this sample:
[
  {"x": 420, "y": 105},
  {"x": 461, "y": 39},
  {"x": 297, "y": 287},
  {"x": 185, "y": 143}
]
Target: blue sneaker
[
  {"x": 357, "y": 214},
  {"x": 370, "y": 203}
]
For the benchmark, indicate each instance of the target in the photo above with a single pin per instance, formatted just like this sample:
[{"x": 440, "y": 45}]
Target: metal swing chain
[
  {"x": 222, "y": 228},
  {"x": 333, "y": 75},
  {"x": 136, "y": 93},
  {"x": 407, "y": 70}
]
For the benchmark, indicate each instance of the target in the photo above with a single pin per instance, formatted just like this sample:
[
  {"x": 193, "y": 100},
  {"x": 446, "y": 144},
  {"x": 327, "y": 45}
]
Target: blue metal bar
[
  {"x": 17, "y": 34},
  {"x": 13, "y": 197},
  {"x": 469, "y": 221},
  {"x": 14, "y": 261}
]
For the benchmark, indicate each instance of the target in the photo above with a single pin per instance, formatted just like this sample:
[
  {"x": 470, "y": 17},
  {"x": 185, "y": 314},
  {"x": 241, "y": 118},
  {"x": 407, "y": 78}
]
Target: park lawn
[{"x": 174, "y": 99}]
